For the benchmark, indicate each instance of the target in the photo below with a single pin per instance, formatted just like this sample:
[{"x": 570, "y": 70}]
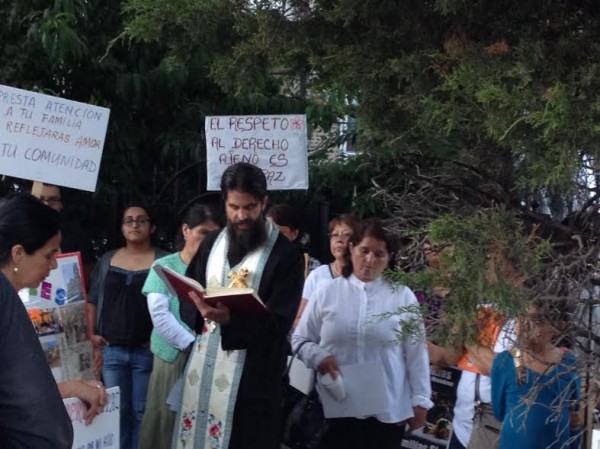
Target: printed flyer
[{"x": 57, "y": 310}]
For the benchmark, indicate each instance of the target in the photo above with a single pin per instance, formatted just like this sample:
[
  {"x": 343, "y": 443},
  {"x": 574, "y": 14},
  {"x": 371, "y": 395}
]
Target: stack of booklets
[{"x": 238, "y": 300}]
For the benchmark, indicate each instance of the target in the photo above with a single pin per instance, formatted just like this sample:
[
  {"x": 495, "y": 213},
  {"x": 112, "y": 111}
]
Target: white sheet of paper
[
  {"x": 301, "y": 377},
  {"x": 365, "y": 392}
]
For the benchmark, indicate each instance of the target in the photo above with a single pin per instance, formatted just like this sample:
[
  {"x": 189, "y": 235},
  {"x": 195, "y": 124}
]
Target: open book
[{"x": 238, "y": 300}]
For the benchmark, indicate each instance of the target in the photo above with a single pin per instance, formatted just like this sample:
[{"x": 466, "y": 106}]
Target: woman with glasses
[
  {"x": 341, "y": 229},
  {"x": 118, "y": 314},
  {"x": 170, "y": 336}
]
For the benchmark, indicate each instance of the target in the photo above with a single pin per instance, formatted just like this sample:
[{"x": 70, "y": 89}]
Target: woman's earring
[{"x": 16, "y": 269}]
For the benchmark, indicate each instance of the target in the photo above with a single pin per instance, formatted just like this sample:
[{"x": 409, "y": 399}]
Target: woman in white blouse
[
  {"x": 343, "y": 327},
  {"x": 341, "y": 229}
]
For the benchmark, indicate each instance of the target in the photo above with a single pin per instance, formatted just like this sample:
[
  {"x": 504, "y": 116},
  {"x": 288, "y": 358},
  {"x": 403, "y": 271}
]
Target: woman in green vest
[{"x": 170, "y": 337}]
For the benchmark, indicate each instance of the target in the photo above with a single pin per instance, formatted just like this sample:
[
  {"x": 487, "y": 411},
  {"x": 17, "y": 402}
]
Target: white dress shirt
[
  {"x": 344, "y": 319},
  {"x": 315, "y": 279},
  {"x": 166, "y": 324}
]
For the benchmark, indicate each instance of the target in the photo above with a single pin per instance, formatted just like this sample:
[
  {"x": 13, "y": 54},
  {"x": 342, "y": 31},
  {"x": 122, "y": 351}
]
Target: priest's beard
[{"x": 243, "y": 241}]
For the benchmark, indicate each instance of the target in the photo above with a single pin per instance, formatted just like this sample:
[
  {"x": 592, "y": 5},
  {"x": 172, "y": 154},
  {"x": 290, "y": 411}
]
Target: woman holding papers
[
  {"x": 170, "y": 336},
  {"x": 32, "y": 413},
  {"x": 119, "y": 318},
  {"x": 370, "y": 382}
]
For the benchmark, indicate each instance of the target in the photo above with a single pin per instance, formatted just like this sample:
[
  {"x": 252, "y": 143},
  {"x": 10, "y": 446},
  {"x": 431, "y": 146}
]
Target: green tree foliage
[
  {"x": 486, "y": 258},
  {"x": 463, "y": 107},
  {"x": 509, "y": 90},
  {"x": 76, "y": 49}
]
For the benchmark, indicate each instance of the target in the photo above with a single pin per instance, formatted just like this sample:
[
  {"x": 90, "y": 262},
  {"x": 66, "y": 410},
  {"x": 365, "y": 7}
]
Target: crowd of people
[{"x": 195, "y": 374}]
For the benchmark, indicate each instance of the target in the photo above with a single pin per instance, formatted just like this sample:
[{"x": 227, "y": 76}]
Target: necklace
[{"x": 336, "y": 271}]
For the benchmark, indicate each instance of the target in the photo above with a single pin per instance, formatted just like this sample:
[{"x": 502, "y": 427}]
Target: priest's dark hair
[
  {"x": 245, "y": 178},
  {"x": 25, "y": 221}
]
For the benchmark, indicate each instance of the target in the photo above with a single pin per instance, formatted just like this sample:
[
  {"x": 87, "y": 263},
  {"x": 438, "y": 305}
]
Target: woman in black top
[{"x": 118, "y": 313}]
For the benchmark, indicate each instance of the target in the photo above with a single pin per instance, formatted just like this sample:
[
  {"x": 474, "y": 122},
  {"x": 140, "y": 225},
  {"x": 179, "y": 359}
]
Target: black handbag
[{"x": 304, "y": 424}]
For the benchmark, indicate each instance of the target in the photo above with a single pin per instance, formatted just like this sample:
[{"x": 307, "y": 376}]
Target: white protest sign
[
  {"x": 277, "y": 144},
  {"x": 50, "y": 139},
  {"x": 103, "y": 432}
]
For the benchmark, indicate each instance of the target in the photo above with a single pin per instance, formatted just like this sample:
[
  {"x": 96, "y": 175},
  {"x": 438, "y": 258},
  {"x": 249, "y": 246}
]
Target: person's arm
[
  {"x": 309, "y": 331},
  {"x": 443, "y": 356},
  {"x": 307, "y": 291},
  {"x": 482, "y": 358},
  {"x": 577, "y": 414},
  {"x": 416, "y": 359},
  {"x": 165, "y": 322},
  {"x": 248, "y": 332},
  {"x": 301, "y": 307},
  {"x": 92, "y": 393},
  {"x": 97, "y": 341}
]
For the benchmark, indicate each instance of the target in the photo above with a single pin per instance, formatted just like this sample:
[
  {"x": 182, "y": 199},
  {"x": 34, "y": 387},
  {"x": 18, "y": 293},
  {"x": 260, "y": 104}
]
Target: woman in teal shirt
[
  {"x": 535, "y": 386},
  {"x": 170, "y": 337}
]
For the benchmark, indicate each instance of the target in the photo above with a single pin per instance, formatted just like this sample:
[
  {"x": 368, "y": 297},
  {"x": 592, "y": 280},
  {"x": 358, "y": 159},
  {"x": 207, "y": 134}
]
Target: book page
[{"x": 228, "y": 291}]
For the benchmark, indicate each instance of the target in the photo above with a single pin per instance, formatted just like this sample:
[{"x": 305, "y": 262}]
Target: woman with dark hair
[
  {"x": 341, "y": 229},
  {"x": 32, "y": 413},
  {"x": 119, "y": 320},
  {"x": 356, "y": 319},
  {"x": 288, "y": 222},
  {"x": 171, "y": 337},
  {"x": 535, "y": 385}
]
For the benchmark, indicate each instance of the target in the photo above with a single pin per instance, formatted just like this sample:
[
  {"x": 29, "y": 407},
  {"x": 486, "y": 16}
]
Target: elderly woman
[
  {"x": 341, "y": 229},
  {"x": 32, "y": 413},
  {"x": 346, "y": 322},
  {"x": 171, "y": 336}
]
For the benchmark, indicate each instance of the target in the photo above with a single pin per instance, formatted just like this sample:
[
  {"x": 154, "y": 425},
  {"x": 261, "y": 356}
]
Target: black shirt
[
  {"x": 258, "y": 402},
  {"x": 32, "y": 413},
  {"x": 125, "y": 317}
]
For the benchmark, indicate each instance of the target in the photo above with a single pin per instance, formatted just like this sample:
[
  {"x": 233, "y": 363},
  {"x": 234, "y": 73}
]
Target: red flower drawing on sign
[{"x": 297, "y": 123}]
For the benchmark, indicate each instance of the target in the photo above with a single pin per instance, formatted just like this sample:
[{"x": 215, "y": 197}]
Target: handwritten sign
[
  {"x": 103, "y": 432},
  {"x": 50, "y": 139},
  {"x": 275, "y": 143}
]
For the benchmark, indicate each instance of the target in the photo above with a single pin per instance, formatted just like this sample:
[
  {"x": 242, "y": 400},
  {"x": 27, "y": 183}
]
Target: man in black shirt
[{"x": 232, "y": 389}]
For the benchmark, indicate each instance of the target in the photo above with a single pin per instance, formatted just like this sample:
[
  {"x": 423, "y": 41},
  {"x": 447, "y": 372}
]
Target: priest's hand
[{"x": 219, "y": 314}]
